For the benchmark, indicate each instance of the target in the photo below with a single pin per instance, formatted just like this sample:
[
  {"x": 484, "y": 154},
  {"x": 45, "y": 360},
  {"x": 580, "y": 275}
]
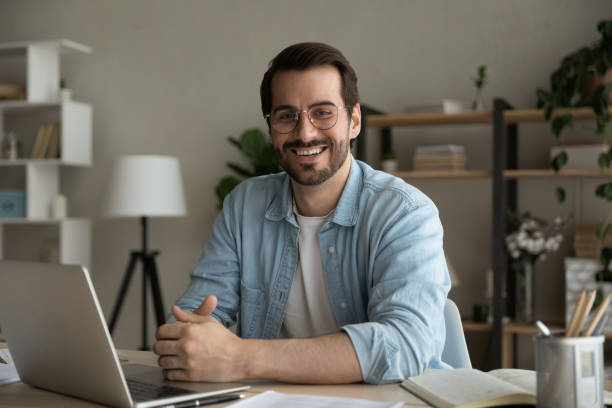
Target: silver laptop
[{"x": 57, "y": 336}]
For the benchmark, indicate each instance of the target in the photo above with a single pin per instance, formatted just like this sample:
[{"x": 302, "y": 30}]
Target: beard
[{"x": 306, "y": 173}]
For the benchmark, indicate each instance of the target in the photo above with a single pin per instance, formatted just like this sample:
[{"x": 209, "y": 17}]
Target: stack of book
[
  {"x": 439, "y": 157},
  {"x": 586, "y": 243},
  {"x": 48, "y": 142}
]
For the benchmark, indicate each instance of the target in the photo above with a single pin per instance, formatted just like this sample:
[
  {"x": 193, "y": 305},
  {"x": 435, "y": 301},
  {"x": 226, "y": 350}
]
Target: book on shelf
[
  {"x": 53, "y": 150},
  {"x": 47, "y": 142},
  {"x": 439, "y": 149},
  {"x": 471, "y": 388}
]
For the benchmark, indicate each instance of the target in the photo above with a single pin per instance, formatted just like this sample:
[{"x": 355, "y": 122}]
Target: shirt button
[
  {"x": 332, "y": 249},
  {"x": 343, "y": 305}
]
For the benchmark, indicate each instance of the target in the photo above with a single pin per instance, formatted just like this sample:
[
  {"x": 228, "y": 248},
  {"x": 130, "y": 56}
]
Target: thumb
[
  {"x": 208, "y": 306},
  {"x": 183, "y": 316}
]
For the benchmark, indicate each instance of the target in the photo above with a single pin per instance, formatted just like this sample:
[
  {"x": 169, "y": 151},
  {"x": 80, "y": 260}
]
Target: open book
[{"x": 470, "y": 388}]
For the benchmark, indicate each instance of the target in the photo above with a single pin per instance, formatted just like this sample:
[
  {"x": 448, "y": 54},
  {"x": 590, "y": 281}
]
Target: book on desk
[{"x": 471, "y": 388}]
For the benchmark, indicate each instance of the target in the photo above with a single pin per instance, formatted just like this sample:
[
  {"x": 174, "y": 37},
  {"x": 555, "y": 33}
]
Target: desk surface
[{"x": 22, "y": 395}]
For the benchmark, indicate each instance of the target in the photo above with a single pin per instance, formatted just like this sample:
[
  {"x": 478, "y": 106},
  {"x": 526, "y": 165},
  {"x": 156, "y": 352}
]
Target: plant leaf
[
  {"x": 560, "y": 122},
  {"x": 560, "y": 193},
  {"x": 604, "y": 160},
  {"x": 224, "y": 187},
  {"x": 240, "y": 170},
  {"x": 603, "y": 229},
  {"x": 235, "y": 142},
  {"x": 604, "y": 191},
  {"x": 559, "y": 160}
]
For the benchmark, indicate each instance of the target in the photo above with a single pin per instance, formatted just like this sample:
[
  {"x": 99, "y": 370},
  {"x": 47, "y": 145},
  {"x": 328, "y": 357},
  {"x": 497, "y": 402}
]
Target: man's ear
[{"x": 355, "y": 124}]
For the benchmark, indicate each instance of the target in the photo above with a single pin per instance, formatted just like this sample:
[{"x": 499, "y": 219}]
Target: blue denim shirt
[{"x": 382, "y": 255}]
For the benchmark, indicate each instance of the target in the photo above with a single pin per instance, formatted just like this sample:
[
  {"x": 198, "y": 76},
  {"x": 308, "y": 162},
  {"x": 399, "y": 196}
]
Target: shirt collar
[{"x": 346, "y": 212}]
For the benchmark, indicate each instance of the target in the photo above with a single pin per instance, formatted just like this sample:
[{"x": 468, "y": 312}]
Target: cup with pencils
[{"x": 569, "y": 365}]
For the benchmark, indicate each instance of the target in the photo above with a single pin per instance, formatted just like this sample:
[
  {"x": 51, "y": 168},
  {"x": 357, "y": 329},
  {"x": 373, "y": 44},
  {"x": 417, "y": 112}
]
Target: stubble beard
[{"x": 306, "y": 174}]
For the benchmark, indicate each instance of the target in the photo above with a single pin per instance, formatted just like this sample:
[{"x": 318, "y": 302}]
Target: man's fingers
[
  {"x": 166, "y": 348},
  {"x": 177, "y": 375},
  {"x": 208, "y": 306},
  {"x": 183, "y": 316},
  {"x": 170, "y": 331},
  {"x": 170, "y": 362}
]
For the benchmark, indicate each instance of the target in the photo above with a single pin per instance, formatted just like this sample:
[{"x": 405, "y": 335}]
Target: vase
[{"x": 524, "y": 291}]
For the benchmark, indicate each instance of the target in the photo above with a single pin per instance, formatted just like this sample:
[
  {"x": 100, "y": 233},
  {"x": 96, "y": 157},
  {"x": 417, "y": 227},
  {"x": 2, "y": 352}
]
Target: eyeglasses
[{"x": 323, "y": 116}]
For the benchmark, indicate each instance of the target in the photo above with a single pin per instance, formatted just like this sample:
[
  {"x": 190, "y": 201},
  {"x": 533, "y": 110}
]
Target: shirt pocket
[{"x": 251, "y": 302}]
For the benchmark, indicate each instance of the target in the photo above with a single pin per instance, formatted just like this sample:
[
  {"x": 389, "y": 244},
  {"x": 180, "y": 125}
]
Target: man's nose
[{"x": 304, "y": 130}]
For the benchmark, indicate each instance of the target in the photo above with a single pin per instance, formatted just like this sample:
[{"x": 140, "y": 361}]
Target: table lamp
[{"x": 144, "y": 186}]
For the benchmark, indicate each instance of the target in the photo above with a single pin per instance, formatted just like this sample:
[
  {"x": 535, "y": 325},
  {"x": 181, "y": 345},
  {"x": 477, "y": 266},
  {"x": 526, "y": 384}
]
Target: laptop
[{"x": 56, "y": 332}]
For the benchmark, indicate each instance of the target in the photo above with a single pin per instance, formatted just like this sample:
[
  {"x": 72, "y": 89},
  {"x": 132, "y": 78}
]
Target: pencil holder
[{"x": 569, "y": 371}]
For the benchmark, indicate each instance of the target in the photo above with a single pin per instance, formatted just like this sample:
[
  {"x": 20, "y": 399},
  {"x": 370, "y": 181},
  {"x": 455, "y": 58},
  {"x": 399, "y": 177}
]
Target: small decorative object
[
  {"x": 389, "y": 162},
  {"x": 59, "y": 207},
  {"x": 481, "y": 312},
  {"x": 11, "y": 146},
  {"x": 479, "y": 83},
  {"x": 49, "y": 251},
  {"x": 529, "y": 239},
  {"x": 12, "y": 204},
  {"x": 65, "y": 93}
]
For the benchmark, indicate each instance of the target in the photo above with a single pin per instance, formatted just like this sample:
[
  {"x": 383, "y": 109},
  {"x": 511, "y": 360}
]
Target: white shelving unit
[{"x": 36, "y": 66}]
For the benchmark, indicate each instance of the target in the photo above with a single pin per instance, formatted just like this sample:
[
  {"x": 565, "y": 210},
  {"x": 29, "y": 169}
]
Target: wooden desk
[
  {"x": 22, "y": 395},
  {"x": 509, "y": 333}
]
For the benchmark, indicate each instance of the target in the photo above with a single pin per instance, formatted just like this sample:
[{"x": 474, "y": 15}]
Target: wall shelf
[{"x": 35, "y": 65}]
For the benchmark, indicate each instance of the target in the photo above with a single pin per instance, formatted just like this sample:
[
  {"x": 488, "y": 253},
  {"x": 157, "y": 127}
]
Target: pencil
[
  {"x": 598, "y": 315},
  {"x": 574, "y": 319}
]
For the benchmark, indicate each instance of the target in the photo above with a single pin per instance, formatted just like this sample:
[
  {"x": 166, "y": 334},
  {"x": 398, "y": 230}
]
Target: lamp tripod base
[{"x": 149, "y": 278}]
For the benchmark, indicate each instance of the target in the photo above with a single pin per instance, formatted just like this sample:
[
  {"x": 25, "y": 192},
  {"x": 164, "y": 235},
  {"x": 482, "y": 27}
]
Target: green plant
[
  {"x": 479, "y": 82},
  {"x": 575, "y": 84},
  {"x": 255, "y": 146},
  {"x": 481, "y": 77},
  {"x": 388, "y": 156}
]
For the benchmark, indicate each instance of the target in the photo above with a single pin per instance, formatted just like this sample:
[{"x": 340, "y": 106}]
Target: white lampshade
[{"x": 145, "y": 186}]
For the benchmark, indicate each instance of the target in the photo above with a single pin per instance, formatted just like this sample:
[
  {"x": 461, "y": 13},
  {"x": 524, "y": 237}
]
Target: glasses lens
[
  {"x": 323, "y": 117},
  {"x": 283, "y": 120}
]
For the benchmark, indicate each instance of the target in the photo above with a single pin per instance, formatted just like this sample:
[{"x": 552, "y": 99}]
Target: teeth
[{"x": 309, "y": 152}]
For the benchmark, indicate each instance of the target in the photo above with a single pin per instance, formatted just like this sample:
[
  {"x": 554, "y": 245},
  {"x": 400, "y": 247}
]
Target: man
[{"x": 335, "y": 270}]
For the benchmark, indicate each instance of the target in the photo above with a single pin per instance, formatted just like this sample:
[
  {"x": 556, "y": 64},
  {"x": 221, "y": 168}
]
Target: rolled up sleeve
[{"x": 409, "y": 284}]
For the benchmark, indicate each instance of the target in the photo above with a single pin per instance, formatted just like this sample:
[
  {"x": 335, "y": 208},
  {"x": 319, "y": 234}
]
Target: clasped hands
[{"x": 198, "y": 348}]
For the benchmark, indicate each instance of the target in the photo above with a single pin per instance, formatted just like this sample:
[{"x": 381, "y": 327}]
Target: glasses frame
[{"x": 298, "y": 113}]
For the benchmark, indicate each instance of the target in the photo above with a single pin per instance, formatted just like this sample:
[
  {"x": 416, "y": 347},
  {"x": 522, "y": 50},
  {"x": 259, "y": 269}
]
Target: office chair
[{"x": 455, "y": 351}]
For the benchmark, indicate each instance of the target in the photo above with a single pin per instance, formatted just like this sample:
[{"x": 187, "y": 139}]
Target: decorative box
[{"x": 12, "y": 204}]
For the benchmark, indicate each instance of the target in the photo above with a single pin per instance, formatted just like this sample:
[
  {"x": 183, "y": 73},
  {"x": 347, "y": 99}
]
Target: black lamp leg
[{"x": 124, "y": 286}]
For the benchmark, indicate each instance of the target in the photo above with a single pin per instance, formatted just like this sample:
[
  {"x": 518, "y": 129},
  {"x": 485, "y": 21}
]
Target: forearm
[{"x": 328, "y": 359}]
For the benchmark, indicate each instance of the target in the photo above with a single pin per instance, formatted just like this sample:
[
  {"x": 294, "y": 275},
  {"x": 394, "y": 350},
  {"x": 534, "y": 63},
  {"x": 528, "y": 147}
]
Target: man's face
[{"x": 309, "y": 155}]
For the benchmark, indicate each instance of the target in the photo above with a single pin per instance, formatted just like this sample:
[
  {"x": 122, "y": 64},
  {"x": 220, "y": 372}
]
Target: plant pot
[{"x": 389, "y": 166}]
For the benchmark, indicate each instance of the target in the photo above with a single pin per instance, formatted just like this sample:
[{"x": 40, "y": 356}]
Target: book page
[
  {"x": 464, "y": 387},
  {"x": 525, "y": 379}
]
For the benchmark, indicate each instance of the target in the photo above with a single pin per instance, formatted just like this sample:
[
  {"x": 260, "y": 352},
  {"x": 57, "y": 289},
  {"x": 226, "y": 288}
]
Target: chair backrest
[{"x": 455, "y": 351}]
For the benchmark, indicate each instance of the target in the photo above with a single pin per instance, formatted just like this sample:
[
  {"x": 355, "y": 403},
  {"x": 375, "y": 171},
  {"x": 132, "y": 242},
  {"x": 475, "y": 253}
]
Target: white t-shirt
[{"x": 309, "y": 311}]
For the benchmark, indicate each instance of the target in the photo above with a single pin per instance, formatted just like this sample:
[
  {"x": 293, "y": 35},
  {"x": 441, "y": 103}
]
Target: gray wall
[{"x": 177, "y": 77}]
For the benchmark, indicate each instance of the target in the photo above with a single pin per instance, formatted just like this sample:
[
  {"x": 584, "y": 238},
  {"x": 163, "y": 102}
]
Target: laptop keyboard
[{"x": 142, "y": 391}]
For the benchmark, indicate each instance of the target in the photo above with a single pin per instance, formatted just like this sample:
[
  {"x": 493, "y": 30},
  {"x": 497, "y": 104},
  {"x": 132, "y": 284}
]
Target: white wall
[{"x": 177, "y": 77}]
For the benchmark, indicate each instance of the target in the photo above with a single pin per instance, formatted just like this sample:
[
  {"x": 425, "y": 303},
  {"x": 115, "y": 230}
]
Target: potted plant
[
  {"x": 389, "y": 162},
  {"x": 255, "y": 146},
  {"x": 479, "y": 82},
  {"x": 584, "y": 79}
]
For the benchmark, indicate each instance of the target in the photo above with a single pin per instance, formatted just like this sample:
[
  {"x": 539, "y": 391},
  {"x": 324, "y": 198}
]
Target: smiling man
[{"x": 334, "y": 271}]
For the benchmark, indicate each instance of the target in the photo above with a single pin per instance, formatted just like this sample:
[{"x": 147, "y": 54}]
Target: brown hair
[{"x": 307, "y": 55}]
